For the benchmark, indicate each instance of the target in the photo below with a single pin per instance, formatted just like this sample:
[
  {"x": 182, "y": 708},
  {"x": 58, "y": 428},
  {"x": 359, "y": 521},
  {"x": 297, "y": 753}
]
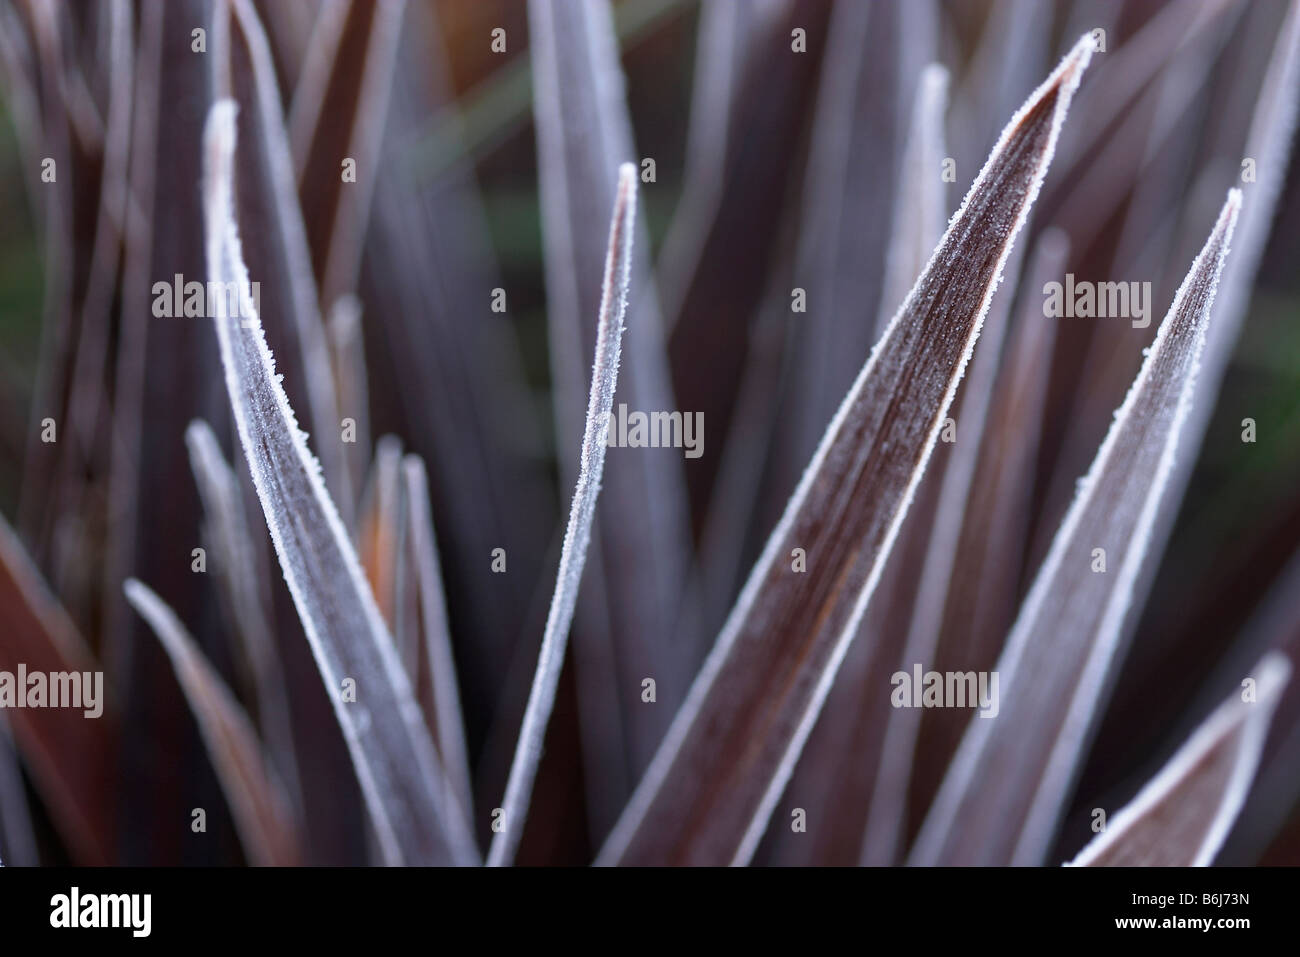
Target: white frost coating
[
  {"x": 257, "y": 802},
  {"x": 1067, "y": 75},
  {"x": 1054, "y": 779},
  {"x": 573, "y": 555},
  {"x": 1248, "y": 721},
  {"x": 415, "y": 814}
]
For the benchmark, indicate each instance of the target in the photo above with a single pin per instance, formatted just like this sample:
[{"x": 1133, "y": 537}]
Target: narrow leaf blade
[
  {"x": 920, "y": 211},
  {"x": 230, "y": 539},
  {"x": 69, "y": 755},
  {"x": 256, "y": 797},
  {"x": 267, "y": 204},
  {"x": 442, "y": 701},
  {"x": 573, "y": 554},
  {"x": 627, "y": 625}
]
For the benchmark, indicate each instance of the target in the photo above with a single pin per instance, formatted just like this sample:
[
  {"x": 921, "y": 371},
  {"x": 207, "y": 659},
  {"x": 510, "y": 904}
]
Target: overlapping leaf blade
[
  {"x": 1002, "y": 796},
  {"x": 730, "y": 750},
  {"x": 414, "y": 811}
]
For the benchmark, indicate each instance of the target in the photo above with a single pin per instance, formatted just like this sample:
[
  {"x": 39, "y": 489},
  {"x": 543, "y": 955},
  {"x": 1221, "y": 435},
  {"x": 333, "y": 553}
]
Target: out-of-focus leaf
[
  {"x": 858, "y": 137},
  {"x": 257, "y": 799},
  {"x": 22, "y": 101},
  {"x": 1130, "y": 68},
  {"x": 347, "y": 353},
  {"x": 1276, "y": 791},
  {"x": 69, "y": 754},
  {"x": 435, "y": 682},
  {"x": 165, "y": 375},
  {"x": 1014, "y": 50},
  {"x": 1270, "y": 143},
  {"x": 458, "y": 393},
  {"x": 487, "y": 115},
  {"x": 266, "y": 204},
  {"x": 37, "y": 505},
  {"x": 848, "y": 178},
  {"x": 920, "y": 209},
  {"x": 709, "y": 313},
  {"x": 338, "y": 114},
  {"x": 230, "y": 540},
  {"x": 88, "y": 405},
  {"x": 291, "y": 26},
  {"x": 17, "y": 839},
  {"x": 730, "y": 34},
  {"x": 381, "y": 539}
]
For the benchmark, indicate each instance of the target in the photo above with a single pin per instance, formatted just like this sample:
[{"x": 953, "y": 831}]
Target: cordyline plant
[{"x": 255, "y": 215}]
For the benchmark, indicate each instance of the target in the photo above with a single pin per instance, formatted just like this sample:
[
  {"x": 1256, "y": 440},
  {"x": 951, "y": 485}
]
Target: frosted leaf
[
  {"x": 708, "y": 793},
  {"x": 1182, "y": 815},
  {"x": 1004, "y": 791},
  {"x": 573, "y": 555},
  {"x": 416, "y": 816}
]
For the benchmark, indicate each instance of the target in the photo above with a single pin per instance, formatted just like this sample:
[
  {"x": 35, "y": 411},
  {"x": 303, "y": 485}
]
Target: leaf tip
[
  {"x": 1076, "y": 61},
  {"x": 1271, "y": 675},
  {"x": 1228, "y": 216},
  {"x": 219, "y": 135},
  {"x": 1064, "y": 81},
  {"x": 198, "y": 432},
  {"x": 934, "y": 81},
  {"x": 626, "y": 177}
]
